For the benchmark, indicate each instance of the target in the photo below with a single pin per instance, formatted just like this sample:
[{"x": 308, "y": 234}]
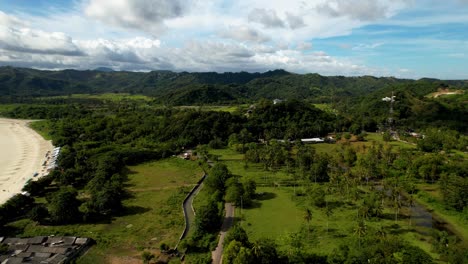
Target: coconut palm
[
  {"x": 410, "y": 206},
  {"x": 360, "y": 230},
  {"x": 328, "y": 212},
  {"x": 381, "y": 233},
  {"x": 308, "y": 218}
]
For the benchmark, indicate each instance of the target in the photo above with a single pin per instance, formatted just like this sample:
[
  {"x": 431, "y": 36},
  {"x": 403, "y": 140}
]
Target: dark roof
[
  {"x": 54, "y": 239},
  {"x": 41, "y": 249},
  {"x": 37, "y": 240},
  {"x": 11, "y": 240},
  {"x": 14, "y": 260},
  {"x": 20, "y": 247},
  {"x": 68, "y": 240},
  {"x": 42, "y": 255},
  {"x": 56, "y": 258},
  {"x": 24, "y": 254},
  {"x": 15, "y": 240},
  {"x": 81, "y": 241}
]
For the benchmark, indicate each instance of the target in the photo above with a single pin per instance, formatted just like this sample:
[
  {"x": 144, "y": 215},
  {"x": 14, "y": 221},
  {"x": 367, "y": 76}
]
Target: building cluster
[
  {"x": 52, "y": 160},
  {"x": 43, "y": 249},
  {"x": 50, "y": 163}
]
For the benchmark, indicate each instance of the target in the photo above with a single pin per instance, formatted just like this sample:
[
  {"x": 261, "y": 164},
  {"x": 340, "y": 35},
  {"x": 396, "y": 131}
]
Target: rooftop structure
[
  {"x": 43, "y": 249},
  {"x": 312, "y": 140}
]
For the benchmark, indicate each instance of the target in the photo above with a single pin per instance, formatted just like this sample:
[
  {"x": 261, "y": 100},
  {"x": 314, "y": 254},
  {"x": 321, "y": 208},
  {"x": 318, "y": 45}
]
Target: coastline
[{"x": 22, "y": 155}]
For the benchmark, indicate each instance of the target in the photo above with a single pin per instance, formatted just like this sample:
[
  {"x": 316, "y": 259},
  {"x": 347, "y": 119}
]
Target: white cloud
[
  {"x": 363, "y": 10},
  {"x": 294, "y": 21},
  {"x": 148, "y": 15},
  {"x": 243, "y": 33},
  {"x": 7, "y": 20},
  {"x": 362, "y": 46},
  {"x": 304, "y": 46},
  {"x": 266, "y": 17},
  {"x": 15, "y": 37}
]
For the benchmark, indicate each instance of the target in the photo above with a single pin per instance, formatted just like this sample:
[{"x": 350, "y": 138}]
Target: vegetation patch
[{"x": 151, "y": 216}]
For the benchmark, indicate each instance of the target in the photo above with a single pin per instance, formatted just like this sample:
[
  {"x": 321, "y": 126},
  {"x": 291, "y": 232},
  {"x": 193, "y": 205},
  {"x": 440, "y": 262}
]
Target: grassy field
[
  {"x": 218, "y": 108},
  {"x": 325, "y": 107},
  {"x": 236, "y": 164},
  {"x": 278, "y": 215},
  {"x": 152, "y": 215},
  {"x": 7, "y": 108},
  {"x": 42, "y": 127},
  {"x": 113, "y": 97},
  {"x": 370, "y": 139},
  {"x": 273, "y": 215}
]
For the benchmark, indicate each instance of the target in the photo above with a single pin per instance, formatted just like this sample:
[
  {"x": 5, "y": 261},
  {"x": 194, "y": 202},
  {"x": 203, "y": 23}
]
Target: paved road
[
  {"x": 188, "y": 206},
  {"x": 217, "y": 254},
  {"x": 189, "y": 213}
]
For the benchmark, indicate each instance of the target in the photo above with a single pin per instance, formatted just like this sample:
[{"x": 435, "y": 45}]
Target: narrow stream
[{"x": 424, "y": 220}]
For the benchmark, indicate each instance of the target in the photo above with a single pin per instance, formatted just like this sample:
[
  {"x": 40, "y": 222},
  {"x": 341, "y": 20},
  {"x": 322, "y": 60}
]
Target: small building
[
  {"x": 42, "y": 249},
  {"x": 312, "y": 140},
  {"x": 277, "y": 101}
]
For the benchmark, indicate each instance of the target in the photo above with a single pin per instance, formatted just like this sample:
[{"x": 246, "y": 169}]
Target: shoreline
[{"x": 22, "y": 155}]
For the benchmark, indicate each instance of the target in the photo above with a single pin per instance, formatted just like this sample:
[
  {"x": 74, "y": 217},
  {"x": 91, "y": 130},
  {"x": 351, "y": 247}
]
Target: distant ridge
[
  {"x": 182, "y": 88},
  {"x": 104, "y": 69}
]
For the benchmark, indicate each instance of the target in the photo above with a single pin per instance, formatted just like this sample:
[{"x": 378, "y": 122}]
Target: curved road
[
  {"x": 187, "y": 207},
  {"x": 217, "y": 254},
  {"x": 189, "y": 214}
]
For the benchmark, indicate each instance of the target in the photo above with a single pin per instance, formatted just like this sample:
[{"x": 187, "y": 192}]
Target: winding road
[
  {"x": 187, "y": 207},
  {"x": 189, "y": 214},
  {"x": 217, "y": 254}
]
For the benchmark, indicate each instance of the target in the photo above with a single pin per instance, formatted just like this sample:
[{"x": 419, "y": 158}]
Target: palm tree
[
  {"x": 328, "y": 212},
  {"x": 410, "y": 205},
  {"x": 364, "y": 212},
  {"x": 256, "y": 248},
  {"x": 308, "y": 218},
  {"x": 360, "y": 230},
  {"x": 396, "y": 196},
  {"x": 381, "y": 233}
]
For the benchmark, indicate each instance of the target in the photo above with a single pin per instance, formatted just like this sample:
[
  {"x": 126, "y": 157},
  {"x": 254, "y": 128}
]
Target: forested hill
[{"x": 196, "y": 88}]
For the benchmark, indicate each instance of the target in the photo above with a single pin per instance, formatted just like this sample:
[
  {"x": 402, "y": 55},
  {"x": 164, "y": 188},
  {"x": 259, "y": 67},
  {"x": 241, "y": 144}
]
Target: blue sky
[{"x": 402, "y": 38}]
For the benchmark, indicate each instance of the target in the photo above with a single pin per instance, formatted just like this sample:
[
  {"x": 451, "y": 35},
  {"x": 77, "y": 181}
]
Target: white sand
[{"x": 22, "y": 153}]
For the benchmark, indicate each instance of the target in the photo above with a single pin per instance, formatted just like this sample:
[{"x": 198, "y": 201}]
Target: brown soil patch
[{"x": 441, "y": 92}]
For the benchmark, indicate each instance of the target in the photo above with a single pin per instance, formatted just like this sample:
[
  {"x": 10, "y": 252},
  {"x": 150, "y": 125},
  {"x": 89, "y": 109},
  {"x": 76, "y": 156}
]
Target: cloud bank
[{"x": 199, "y": 35}]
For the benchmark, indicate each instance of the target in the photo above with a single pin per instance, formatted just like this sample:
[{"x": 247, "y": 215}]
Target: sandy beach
[{"x": 22, "y": 154}]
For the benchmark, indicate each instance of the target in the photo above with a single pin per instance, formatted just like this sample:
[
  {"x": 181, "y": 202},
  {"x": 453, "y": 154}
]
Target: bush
[
  {"x": 338, "y": 136},
  {"x": 3, "y": 249},
  {"x": 164, "y": 247},
  {"x": 361, "y": 136},
  {"x": 347, "y": 136},
  {"x": 386, "y": 136},
  {"x": 38, "y": 213},
  {"x": 216, "y": 143},
  {"x": 147, "y": 256}
]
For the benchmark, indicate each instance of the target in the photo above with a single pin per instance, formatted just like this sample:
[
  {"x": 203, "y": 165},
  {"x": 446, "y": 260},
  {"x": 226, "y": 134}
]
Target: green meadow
[{"x": 112, "y": 97}]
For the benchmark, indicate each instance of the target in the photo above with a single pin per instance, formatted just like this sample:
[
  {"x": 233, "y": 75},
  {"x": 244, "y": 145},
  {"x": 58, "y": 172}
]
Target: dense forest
[{"x": 183, "y": 88}]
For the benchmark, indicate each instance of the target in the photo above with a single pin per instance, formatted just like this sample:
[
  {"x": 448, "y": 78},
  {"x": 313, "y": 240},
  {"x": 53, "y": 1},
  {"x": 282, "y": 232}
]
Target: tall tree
[
  {"x": 63, "y": 206},
  {"x": 308, "y": 218}
]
